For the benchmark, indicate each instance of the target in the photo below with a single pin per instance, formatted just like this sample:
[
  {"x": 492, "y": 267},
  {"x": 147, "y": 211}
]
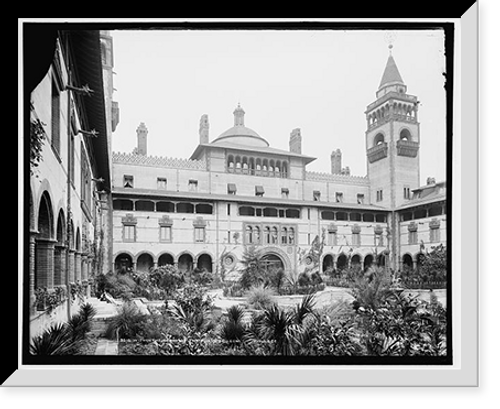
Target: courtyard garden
[{"x": 263, "y": 313}]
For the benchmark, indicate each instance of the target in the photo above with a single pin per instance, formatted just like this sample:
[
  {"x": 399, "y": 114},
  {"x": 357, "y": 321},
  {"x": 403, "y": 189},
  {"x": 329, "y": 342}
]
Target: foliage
[
  {"x": 67, "y": 338},
  {"x": 77, "y": 290},
  {"x": 233, "y": 327},
  {"x": 48, "y": 300},
  {"x": 53, "y": 341},
  {"x": 201, "y": 276},
  {"x": 192, "y": 307},
  {"x": 434, "y": 264},
  {"x": 253, "y": 273},
  {"x": 276, "y": 278},
  {"x": 260, "y": 297},
  {"x": 117, "y": 285},
  {"x": 37, "y": 138},
  {"x": 126, "y": 324},
  {"x": 373, "y": 289}
]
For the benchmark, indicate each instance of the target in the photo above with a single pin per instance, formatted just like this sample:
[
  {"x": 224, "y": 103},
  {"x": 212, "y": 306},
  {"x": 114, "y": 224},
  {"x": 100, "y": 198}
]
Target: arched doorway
[
  {"x": 165, "y": 259},
  {"x": 341, "y": 262},
  {"x": 328, "y": 264},
  {"x": 271, "y": 261},
  {"x": 368, "y": 261},
  {"x": 144, "y": 263},
  {"x": 59, "y": 253},
  {"x": 185, "y": 263},
  {"x": 205, "y": 262},
  {"x": 123, "y": 263},
  {"x": 382, "y": 260},
  {"x": 408, "y": 261}
]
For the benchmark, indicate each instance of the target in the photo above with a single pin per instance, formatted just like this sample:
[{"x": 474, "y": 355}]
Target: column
[
  {"x": 44, "y": 263},
  {"x": 78, "y": 266},
  {"x": 71, "y": 266},
  {"x": 59, "y": 264}
]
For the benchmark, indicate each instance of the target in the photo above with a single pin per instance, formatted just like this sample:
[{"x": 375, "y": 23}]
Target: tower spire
[{"x": 239, "y": 116}]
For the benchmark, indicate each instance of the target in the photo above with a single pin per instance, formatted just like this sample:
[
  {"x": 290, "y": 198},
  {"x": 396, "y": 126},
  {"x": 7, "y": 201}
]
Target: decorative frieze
[
  {"x": 434, "y": 224},
  {"x": 157, "y": 161},
  {"x": 328, "y": 177}
]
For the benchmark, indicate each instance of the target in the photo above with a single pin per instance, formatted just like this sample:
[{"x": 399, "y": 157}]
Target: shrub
[
  {"x": 232, "y": 325},
  {"x": 126, "y": 324},
  {"x": 54, "y": 341},
  {"x": 259, "y": 298}
]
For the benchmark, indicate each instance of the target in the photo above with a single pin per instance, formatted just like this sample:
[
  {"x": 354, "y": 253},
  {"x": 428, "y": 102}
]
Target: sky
[{"x": 320, "y": 81}]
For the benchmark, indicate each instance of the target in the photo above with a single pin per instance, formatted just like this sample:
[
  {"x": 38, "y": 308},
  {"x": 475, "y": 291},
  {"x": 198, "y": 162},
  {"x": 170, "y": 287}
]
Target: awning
[{"x": 259, "y": 190}]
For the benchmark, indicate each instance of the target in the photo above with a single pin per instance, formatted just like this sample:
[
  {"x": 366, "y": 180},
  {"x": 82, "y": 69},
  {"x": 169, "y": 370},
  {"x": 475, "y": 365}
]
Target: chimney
[
  {"x": 142, "y": 139},
  {"x": 431, "y": 181},
  {"x": 204, "y": 127},
  {"x": 295, "y": 141},
  {"x": 336, "y": 158}
]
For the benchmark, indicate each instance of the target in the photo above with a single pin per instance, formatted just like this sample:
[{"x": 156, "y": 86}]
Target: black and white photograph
[{"x": 238, "y": 193}]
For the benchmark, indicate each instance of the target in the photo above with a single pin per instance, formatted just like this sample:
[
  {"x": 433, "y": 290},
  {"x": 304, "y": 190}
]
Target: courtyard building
[
  {"x": 237, "y": 191},
  {"x": 70, "y": 210}
]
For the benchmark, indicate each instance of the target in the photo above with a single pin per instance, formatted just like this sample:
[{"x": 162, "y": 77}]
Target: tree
[
  {"x": 254, "y": 273},
  {"x": 435, "y": 264}
]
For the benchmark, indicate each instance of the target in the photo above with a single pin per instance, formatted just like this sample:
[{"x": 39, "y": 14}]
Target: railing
[
  {"x": 377, "y": 152},
  {"x": 407, "y": 148}
]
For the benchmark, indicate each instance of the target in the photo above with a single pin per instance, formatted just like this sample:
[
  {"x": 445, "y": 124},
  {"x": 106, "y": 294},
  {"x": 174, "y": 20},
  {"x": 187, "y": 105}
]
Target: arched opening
[
  {"x": 45, "y": 230},
  {"x": 341, "y": 216},
  {"x": 59, "y": 256},
  {"x": 78, "y": 257},
  {"x": 356, "y": 260},
  {"x": 123, "y": 263},
  {"x": 382, "y": 260},
  {"x": 368, "y": 217},
  {"x": 165, "y": 259},
  {"x": 328, "y": 265},
  {"x": 205, "y": 262},
  {"x": 166, "y": 207},
  {"x": 267, "y": 234},
  {"x": 204, "y": 208},
  {"x": 270, "y": 212},
  {"x": 256, "y": 235},
  {"x": 144, "y": 263},
  {"x": 123, "y": 204},
  {"x": 230, "y": 163},
  {"x": 272, "y": 261},
  {"x": 185, "y": 263},
  {"x": 327, "y": 215},
  {"x": 435, "y": 211},
  {"x": 246, "y": 211},
  {"x": 248, "y": 235},
  {"x": 379, "y": 139},
  {"x": 405, "y": 135},
  {"x": 185, "y": 207},
  {"x": 144, "y": 206},
  {"x": 284, "y": 170},
  {"x": 251, "y": 165},
  {"x": 274, "y": 235},
  {"x": 341, "y": 262},
  {"x": 355, "y": 217},
  {"x": 368, "y": 261},
  {"x": 291, "y": 236}
]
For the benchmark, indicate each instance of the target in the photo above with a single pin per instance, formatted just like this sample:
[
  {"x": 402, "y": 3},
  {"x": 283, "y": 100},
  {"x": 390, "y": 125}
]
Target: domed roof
[{"x": 239, "y": 134}]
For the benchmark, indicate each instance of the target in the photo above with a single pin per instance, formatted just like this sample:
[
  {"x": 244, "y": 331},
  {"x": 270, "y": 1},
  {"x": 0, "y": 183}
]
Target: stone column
[
  {"x": 71, "y": 266},
  {"x": 78, "y": 266},
  {"x": 44, "y": 260}
]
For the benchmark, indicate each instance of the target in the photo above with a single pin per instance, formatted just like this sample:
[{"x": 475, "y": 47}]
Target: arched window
[
  {"x": 267, "y": 234},
  {"x": 249, "y": 235},
  {"x": 405, "y": 135},
  {"x": 291, "y": 236},
  {"x": 230, "y": 163},
  {"x": 274, "y": 235},
  {"x": 256, "y": 235},
  {"x": 284, "y": 170},
  {"x": 284, "y": 236},
  {"x": 379, "y": 139}
]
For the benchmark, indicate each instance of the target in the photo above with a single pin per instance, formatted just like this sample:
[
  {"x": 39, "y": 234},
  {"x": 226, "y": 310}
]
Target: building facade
[
  {"x": 236, "y": 191},
  {"x": 70, "y": 212}
]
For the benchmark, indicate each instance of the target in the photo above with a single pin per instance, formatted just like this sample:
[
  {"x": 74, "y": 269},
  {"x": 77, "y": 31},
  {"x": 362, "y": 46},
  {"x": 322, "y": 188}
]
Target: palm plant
[
  {"x": 260, "y": 297},
  {"x": 126, "y": 324},
  {"x": 233, "y": 327},
  {"x": 253, "y": 271},
  {"x": 54, "y": 341}
]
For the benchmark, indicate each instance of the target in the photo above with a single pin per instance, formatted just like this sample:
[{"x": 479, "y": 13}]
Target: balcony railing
[
  {"x": 407, "y": 148},
  {"x": 377, "y": 152}
]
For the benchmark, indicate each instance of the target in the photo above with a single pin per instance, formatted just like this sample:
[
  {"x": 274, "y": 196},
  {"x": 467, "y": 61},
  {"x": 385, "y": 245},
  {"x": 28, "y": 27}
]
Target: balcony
[
  {"x": 377, "y": 152},
  {"x": 407, "y": 148}
]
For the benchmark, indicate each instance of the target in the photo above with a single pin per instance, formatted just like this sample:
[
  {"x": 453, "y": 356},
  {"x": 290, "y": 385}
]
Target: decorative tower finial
[{"x": 239, "y": 116}]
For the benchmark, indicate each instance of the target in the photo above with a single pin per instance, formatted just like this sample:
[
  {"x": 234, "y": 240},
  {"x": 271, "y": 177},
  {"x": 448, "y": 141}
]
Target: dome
[{"x": 239, "y": 134}]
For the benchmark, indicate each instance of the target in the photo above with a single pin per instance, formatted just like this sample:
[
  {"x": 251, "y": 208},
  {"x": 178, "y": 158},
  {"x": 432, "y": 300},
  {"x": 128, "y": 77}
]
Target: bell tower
[{"x": 392, "y": 140}]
